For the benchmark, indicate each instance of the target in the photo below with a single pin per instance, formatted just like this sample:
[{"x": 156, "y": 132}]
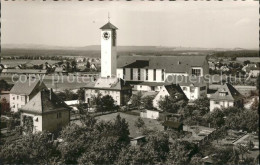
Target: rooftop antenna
[{"x": 108, "y": 17}]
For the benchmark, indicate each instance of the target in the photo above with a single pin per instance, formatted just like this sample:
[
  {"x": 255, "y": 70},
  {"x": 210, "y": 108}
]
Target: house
[
  {"x": 60, "y": 71},
  {"x": 226, "y": 96},
  {"x": 27, "y": 72},
  {"x": 4, "y": 102},
  {"x": 23, "y": 92},
  {"x": 5, "y": 95},
  {"x": 93, "y": 66},
  {"x": 212, "y": 65},
  {"x": 254, "y": 72},
  {"x": 115, "y": 87},
  {"x": 150, "y": 114},
  {"x": 173, "y": 125},
  {"x": 45, "y": 112},
  {"x": 81, "y": 66},
  {"x": 172, "y": 90},
  {"x": 79, "y": 59},
  {"x": 193, "y": 87},
  {"x": 224, "y": 68}
]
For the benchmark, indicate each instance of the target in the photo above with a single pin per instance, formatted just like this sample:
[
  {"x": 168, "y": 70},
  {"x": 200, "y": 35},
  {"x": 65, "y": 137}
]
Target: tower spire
[{"x": 108, "y": 17}]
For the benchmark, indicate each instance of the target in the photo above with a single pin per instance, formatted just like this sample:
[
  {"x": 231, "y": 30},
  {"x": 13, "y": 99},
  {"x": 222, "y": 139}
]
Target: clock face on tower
[{"x": 106, "y": 35}]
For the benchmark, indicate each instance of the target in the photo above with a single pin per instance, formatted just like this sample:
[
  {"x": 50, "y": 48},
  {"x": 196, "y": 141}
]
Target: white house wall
[
  {"x": 163, "y": 92},
  {"x": 222, "y": 104},
  {"x": 15, "y": 103}
]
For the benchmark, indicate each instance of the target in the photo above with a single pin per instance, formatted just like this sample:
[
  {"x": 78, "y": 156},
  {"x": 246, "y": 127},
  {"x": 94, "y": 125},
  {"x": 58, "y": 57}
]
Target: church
[
  {"x": 108, "y": 83},
  {"x": 144, "y": 73}
]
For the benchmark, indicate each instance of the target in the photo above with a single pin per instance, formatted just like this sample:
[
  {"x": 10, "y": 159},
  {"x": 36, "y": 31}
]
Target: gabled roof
[
  {"x": 230, "y": 92},
  {"x": 109, "y": 26},
  {"x": 44, "y": 101},
  {"x": 27, "y": 87},
  {"x": 174, "y": 89},
  {"x": 171, "y": 64},
  {"x": 109, "y": 84}
]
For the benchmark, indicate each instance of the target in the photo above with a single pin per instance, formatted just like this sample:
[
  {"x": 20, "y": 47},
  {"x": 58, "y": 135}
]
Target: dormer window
[
  {"x": 196, "y": 71},
  {"x": 222, "y": 94}
]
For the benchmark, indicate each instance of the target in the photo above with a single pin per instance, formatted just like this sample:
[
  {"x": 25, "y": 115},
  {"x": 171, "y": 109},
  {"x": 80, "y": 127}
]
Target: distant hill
[
  {"x": 120, "y": 48},
  {"x": 94, "y": 50}
]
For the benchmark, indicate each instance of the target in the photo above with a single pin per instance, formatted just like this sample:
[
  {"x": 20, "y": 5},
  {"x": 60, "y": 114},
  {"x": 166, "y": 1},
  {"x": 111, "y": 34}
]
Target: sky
[{"x": 205, "y": 24}]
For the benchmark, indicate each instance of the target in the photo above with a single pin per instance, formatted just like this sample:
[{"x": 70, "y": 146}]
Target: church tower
[{"x": 108, "y": 50}]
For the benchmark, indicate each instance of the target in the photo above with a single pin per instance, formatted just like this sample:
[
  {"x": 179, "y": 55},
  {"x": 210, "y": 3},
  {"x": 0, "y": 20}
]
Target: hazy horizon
[{"x": 207, "y": 25}]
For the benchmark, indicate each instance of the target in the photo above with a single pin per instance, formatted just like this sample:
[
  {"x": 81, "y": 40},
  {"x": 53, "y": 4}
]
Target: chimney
[{"x": 50, "y": 93}]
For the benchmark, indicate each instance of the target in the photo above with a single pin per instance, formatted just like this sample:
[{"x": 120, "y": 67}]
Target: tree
[
  {"x": 217, "y": 118},
  {"x": 171, "y": 104},
  {"x": 225, "y": 156},
  {"x": 121, "y": 130},
  {"x": 73, "y": 65},
  {"x": 4, "y": 85},
  {"x": 10, "y": 124},
  {"x": 107, "y": 103},
  {"x": 29, "y": 149},
  {"x": 147, "y": 102},
  {"x": 153, "y": 152},
  {"x": 181, "y": 152},
  {"x": 72, "y": 149},
  {"x": 136, "y": 100},
  {"x": 255, "y": 104},
  {"x": 258, "y": 82},
  {"x": 87, "y": 64},
  {"x": 81, "y": 94},
  {"x": 139, "y": 123},
  {"x": 88, "y": 120},
  {"x": 246, "y": 62},
  {"x": 202, "y": 104}
]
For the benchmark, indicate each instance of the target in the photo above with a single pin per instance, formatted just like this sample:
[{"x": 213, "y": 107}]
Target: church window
[
  {"x": 154, "y": 75},
  {"x": 131, "y": 73},
  {"x": 123, "y": 72},
  {"x": 203, "y": 88},
  {"x": 139, "y": 74},
  {"x": 146, "y": 74},
  {"x": 162, "y": 74}
]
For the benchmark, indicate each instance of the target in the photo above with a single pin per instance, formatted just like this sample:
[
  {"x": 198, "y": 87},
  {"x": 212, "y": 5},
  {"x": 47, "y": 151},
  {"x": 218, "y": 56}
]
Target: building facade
[
  {"x": 171, "y": 90},
  {"x": 226, "y": 96},
  {"x": 114, "y": 87},
  {"x": 45, "y": 112},
  {"x": 23, "y": 92}
]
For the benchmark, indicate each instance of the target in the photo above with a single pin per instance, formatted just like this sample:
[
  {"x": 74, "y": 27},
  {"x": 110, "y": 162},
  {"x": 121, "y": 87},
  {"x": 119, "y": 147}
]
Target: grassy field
[{"x": 130, "y": 119}]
